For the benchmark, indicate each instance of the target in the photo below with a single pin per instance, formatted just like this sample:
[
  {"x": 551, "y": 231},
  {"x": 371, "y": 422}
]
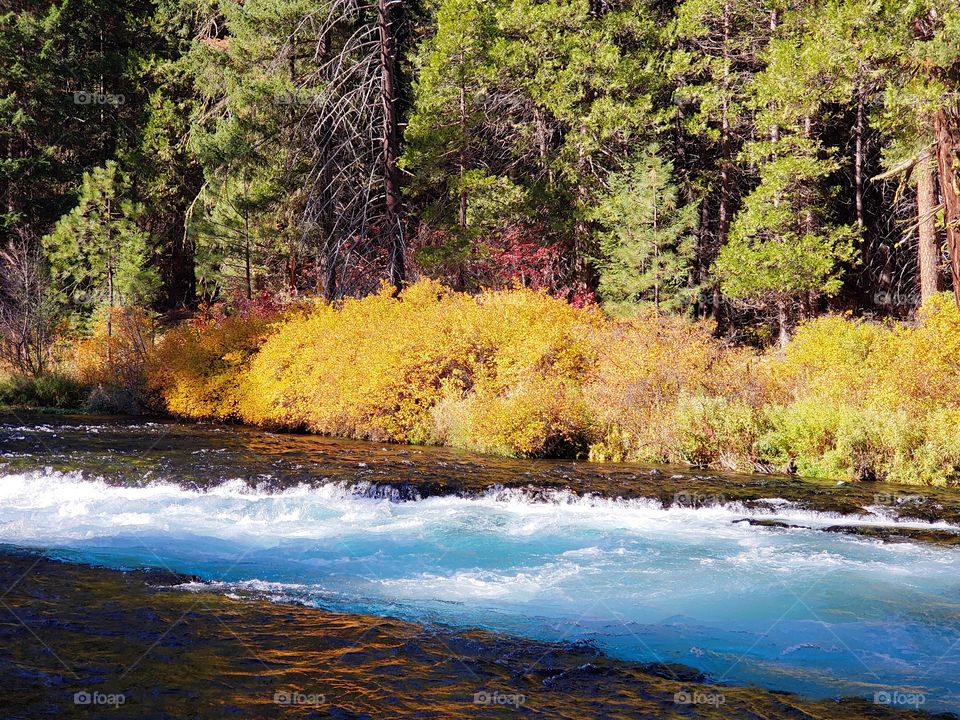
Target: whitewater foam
[{"x": 549, "y": 564}]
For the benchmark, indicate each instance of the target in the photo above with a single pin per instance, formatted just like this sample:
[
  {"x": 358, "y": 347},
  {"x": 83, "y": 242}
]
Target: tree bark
[
  {"x": 928, "y": 252},
  {"x": 723, "y": 212},
  {"x": 246, "y": 255},
  {"x": 946, "y": 127},
  {"x": 391, "y": 146},
  {"x": 726, "y": 161},
  {"x": 809, "y": 219},
  {"x": 462, "y": 215},
  {"x": 783, "y": 322},
  {"x": 858, "y": 155}
]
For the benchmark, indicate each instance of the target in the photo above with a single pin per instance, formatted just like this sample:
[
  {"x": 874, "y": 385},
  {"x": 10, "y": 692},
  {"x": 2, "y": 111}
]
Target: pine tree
[
  {"x": 98, "y": 255},
  {"x": 921, "y": 120},
  {"x": 646, "y": 244},
  {"x": 785, "y": 251},
  {"x": 717, "y": 51},
  {"x": 445, "y": 136}
]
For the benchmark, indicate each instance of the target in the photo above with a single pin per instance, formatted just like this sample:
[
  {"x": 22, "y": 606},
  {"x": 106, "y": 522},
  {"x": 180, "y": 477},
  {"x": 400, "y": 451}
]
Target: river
[{"x": 815, "y": 588}]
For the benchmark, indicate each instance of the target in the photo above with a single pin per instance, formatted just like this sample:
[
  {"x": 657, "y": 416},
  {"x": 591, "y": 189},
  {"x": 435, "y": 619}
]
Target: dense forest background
[{"x": 757, "y": 162}]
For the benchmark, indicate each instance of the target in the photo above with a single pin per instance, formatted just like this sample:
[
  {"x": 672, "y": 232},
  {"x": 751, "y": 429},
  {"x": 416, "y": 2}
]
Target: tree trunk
[
  {"x": 723, "y": 212},
  {"x": 726, "y": 162},
  {"x": 391, "y": 146},
  {"x": 858, "y": 155},
  {"x": 774, "y": 22},
  {"x": 809, "y": 218},
  {"x": 246, "y": 256},
  {"x": 109, "y": 226},
  {"x": 656, "y": 255},
  {"x": 463, "y": 149},
  {"x": 928, "y": 253},
  {"x": 783, "y": 322},
  {"x": 330, "y": 281},
  {"x": 947, "y": 133}
]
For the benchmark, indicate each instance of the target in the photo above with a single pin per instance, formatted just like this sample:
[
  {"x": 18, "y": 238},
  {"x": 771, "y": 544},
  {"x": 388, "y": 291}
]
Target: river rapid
[{"x": 815, "y": 588}]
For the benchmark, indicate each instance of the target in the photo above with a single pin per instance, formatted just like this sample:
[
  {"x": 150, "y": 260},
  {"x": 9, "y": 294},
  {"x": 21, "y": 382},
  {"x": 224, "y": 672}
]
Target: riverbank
[
  {"x": 203, "y": 454},
  {"x": 521, "y": 374}
]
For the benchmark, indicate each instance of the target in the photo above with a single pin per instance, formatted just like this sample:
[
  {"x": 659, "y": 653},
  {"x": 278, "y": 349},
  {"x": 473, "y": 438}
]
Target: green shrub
[
  {"x": 44, "y": 391},
  {"x": 715, "y": 432}
]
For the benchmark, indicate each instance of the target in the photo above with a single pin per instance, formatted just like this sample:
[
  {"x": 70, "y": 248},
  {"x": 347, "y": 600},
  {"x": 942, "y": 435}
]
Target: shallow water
[
  {"x": 439, "y": 537},
  {"x": 125, "y": 648}
]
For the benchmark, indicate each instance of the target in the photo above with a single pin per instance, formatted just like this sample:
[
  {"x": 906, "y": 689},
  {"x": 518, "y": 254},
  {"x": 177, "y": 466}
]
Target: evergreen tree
[
  {"x": 646, "y": 244},
  {"x": 784, "y": 249},
  {"x": 67, "y": 101},
  {"x": 920, "y": 117},
  {"x": 97, "y": 254},
  {"x": 718, "y": 44},
  {"x": 298, "y": 137},
  {"x": 556, "y": 95},
  {"x": 445, "y": 135}
]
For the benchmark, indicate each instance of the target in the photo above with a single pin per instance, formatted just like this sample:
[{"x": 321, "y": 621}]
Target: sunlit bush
[
  {"x": 432, "y": 366},
  {"x": 646, "y": 366},
  {"x": 715, "y": 432},
  {"x": 920, "y": 366},
  {"x": 862, "y": 400},
  {"x": 518, "y": 372},
  {"x": 198, "y": 367},
  {"x": 830, "y": 358},
  {"x": 116, "y": 351}
]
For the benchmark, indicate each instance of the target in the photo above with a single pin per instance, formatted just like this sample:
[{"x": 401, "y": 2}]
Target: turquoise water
[{"x": 796, "y": 609}]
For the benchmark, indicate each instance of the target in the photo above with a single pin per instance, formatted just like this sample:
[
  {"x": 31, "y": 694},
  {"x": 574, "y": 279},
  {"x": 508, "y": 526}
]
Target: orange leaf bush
[
  {"x": 199, "y": 366},
  {"x": 111, "y": 361}
]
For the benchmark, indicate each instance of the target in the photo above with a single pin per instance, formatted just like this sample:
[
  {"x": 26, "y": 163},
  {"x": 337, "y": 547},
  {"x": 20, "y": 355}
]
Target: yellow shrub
[
  {"x": 197, "y": 368},
  {"x": 920, "y": 365},
  {"x": 714, "y": 432},
  {"x": 116, "y": 351},
  {"x": 520, "y": 373},
  {"x": 830, "y": 358},
  {"x": 645, "y": 366},
  {"x": 537, "y": 417},
  {"x": 430, "y": 366},
  {"x": 933, "y": 458}
]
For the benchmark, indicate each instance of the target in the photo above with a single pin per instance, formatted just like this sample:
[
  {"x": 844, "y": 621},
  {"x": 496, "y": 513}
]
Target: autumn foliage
[{"x": 519, "y": 372}]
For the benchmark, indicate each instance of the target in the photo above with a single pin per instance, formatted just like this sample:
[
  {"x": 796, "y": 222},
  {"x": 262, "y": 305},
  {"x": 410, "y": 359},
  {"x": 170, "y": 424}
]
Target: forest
[
  {"x": 757, "y": 161},
  {"x": 771, "y": 186}
]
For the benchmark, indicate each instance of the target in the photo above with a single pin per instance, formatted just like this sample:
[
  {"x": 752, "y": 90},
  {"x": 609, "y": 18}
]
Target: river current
[{"x": 746, "y": 582}]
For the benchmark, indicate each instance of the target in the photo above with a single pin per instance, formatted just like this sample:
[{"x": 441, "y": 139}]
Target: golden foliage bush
[
  {"x": 495, "y": 372},
  {"x": 860, "y": 400},
  {"x": 198, "y": 367},
  {"x": 116, "y": 351},
  {"x": 520, "y": 373},
  {"x": 650, "y": 374}
]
